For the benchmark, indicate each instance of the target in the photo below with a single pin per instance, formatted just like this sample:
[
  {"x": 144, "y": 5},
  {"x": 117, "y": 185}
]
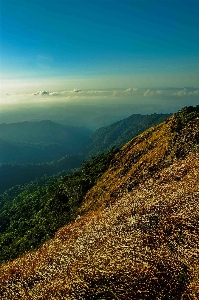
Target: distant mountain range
[
  {"x": 132, "y": 219},
  {"x": 38, "y": 142},
  {"x": 30, "y": 150}
]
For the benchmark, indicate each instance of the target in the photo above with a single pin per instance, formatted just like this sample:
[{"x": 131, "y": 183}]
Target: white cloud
[
  {"x": 147, "y": 93},
  {"x": 42, "y": 93},
  {"x": 194, "y": 93},
  {"x": 54, "y": 94},
  {"x": 77, "y": 91},
  {"x": 181, "y": 93},
  {"x": 185, "y": 92},
  {"x": 46, "y": 93},
  {"x": 128, "y": 90},
  {"x": 153, "y": 93}
]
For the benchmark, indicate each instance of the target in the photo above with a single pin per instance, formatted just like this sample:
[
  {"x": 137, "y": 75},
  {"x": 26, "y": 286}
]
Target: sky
[{"x": 58, "y": 46}]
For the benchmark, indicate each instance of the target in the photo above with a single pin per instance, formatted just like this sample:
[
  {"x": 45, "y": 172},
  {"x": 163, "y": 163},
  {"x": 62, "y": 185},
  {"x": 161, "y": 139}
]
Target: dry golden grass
[
  {"x": 145, "y": 245},
  {"x": 140, "y": 159}
]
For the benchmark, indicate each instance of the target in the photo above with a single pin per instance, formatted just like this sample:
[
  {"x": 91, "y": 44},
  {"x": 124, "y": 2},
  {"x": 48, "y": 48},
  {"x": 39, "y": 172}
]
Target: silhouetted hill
[{"x": 136, "y": 233}]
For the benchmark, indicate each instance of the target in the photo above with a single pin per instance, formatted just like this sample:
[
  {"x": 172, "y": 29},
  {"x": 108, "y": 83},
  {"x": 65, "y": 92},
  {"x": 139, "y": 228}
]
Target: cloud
[
  {"x": 42, "y": 93},
  {"x": 77, "y": 91},
  {"x": 153, "y": 93},
  {"x": 130, "y": 89},
  {"x": 54, "y": 94},
  {"x": 186, "y": 92},
  {"x": 147, "y": 93},
  {"x": 194, "y": 93},
  {"x": 46, "y": 93},
  {"x": 129, "y": 94},
  {"x": 181, "y": 93}
]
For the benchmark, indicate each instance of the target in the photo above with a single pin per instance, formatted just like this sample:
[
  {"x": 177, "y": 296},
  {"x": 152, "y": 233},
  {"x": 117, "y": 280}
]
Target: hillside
[
  {"x": 31, "y": 213},
  {"x": 13, "y": 174},
  {"x": 137, "y": 234},
  {"x": 153, "y": 150},
  {"x": 34, "y": 149},
  {"x": 37, "y": 142},
  {"x": 120, "y": 132}
]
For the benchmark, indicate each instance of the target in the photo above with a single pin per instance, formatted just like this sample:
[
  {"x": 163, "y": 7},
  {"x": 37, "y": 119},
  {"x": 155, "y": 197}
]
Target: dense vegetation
[
  {"x": 14, "y": 174},
  {"x": 117, "y": 134},
  {"x": 29, "y": 150},
  {"x": 32, "y": 213}
]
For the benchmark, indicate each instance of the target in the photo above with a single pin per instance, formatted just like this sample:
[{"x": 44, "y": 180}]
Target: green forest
[{"x": 30, "y": 214}]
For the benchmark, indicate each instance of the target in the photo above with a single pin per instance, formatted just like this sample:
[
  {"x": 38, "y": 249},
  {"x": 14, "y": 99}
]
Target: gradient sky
[{"x": 99, "y": 44}]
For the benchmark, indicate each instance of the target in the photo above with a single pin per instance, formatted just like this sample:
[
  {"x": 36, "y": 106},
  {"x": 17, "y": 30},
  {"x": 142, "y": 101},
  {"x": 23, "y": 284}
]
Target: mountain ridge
[
  {"x": 120, "y": 132},
  {"x": 154, "y": 149}
]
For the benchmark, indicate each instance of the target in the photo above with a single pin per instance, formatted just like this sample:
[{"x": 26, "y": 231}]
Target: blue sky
[{"x": 99, "y": 44}]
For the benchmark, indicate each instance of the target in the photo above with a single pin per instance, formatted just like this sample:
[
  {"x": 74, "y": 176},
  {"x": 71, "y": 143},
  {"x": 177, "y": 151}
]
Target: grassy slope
[
  {"x": 144, "y": 246},
  {"x": 140, "y": 158},
  {"x": 139, "y": 241}
]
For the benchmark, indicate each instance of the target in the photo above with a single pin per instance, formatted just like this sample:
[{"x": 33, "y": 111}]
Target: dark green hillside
[
  {"x": 37, "y": 142},
  {"x": 24, "y": 153},
  {"x": 16, "y": 174},
  {"x": 31, "y": 214},
  {"x": 30, "y": 150},
  {"x": 117, "y": 134}
]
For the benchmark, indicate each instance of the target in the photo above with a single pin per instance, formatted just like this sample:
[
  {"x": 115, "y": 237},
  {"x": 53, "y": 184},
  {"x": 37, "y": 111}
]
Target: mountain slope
[
  {"x": 118, "y": 133},
  {"x": 143, "y": 156},
  {"x": 144, "y": 246},
  {"x": 138, "y": 236},
  {"x": 31, "y": 214}
]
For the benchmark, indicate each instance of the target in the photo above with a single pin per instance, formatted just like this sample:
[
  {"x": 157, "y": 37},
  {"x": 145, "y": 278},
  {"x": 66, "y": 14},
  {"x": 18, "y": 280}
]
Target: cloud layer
[
  {"x": 132, "y": 98},
  {"x": 131, "y": 92}
]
